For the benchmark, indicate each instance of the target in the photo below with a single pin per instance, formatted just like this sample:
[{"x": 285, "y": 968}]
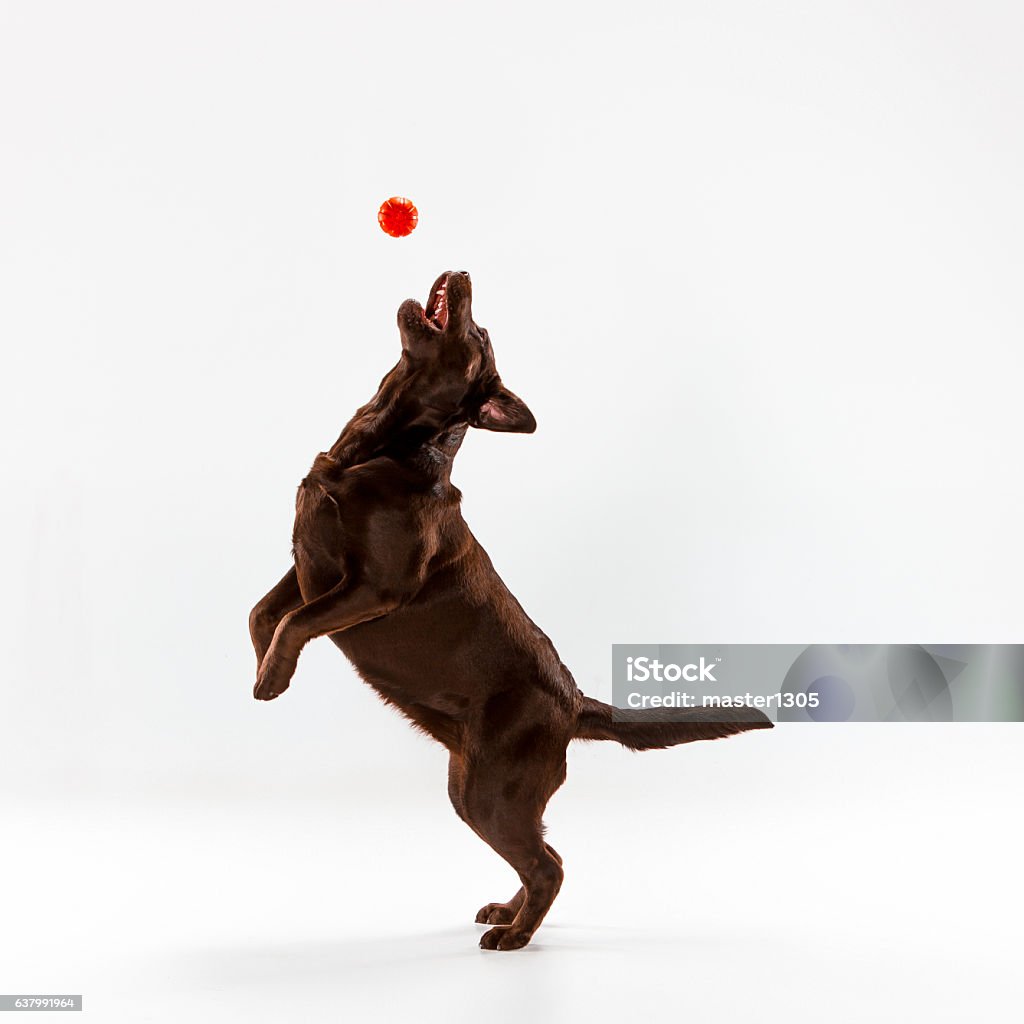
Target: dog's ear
[{"x": 504, "y": 411}]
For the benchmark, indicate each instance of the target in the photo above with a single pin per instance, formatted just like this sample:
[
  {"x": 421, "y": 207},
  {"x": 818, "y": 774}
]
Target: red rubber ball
[{"x": 397, "y": 216}]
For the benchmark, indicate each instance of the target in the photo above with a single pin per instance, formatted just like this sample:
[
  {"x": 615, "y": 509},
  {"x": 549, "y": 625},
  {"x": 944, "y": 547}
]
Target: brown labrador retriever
[{"x": 387, "y": 567}]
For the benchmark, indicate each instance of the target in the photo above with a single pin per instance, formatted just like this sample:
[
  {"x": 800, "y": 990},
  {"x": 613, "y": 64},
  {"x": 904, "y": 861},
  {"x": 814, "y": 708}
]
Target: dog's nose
[{"x": 465, "y": 274}]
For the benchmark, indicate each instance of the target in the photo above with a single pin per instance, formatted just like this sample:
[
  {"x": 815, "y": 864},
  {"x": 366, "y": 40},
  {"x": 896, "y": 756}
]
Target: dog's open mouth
[{"x": 436, "y": 312}]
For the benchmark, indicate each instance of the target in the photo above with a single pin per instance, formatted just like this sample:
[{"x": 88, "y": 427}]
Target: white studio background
[{"x": 755, "y": 267}]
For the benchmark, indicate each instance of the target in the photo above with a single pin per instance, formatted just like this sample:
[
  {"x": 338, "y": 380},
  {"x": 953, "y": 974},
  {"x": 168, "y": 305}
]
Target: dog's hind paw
[
  {"x": 496, "y": 913},
  {"x": 504, "y": 937}
]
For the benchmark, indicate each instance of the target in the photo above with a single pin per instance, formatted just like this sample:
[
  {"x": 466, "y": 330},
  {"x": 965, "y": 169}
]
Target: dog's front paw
[
  {"x": 504, "y": 937},
  {"x": 273, "y": 678}
]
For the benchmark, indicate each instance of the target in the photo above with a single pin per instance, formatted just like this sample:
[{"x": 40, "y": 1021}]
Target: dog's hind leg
[
  {"x": 505, "y": 913},
  {"x": 269, "y": 611},
  {"x": 503, "y": 801},
  {"x": 491, "y": 913}
]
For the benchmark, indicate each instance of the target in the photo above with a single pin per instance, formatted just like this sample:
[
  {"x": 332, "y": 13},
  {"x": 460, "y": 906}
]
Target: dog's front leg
[
  {"x": 340, "y": 608},
  {"x": 263, "y": 619}
]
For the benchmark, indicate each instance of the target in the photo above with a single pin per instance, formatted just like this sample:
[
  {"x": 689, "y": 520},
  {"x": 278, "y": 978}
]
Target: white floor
[{"x": 861, "y": 874}]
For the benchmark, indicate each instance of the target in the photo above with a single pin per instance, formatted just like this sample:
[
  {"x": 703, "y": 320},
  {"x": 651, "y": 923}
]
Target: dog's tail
[{"x": 656, "y": 728}]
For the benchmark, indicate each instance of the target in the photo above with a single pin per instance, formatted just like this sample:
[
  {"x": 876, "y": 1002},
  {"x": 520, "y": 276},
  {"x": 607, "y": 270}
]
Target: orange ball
[{"x": 397, "y": 216}]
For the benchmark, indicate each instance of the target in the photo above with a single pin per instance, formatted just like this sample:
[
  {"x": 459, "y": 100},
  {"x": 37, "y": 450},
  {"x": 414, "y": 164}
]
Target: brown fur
[{"x": 386, "y": 566}]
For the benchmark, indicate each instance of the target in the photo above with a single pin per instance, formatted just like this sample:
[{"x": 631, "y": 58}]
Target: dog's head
[{"x": 450, "y": 372}]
